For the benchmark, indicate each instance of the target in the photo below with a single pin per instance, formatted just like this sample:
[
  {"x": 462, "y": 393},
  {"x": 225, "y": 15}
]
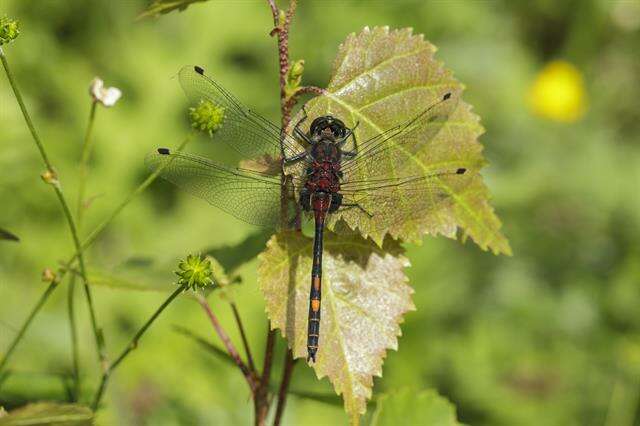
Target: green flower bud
[
  {"x": 48, "y": 276},
  {"x": 296, "y": 70},
  {"x": 294, "y": 77},
  {"x": 50, "y": 177},
  {"x": 207, "y": 116},
  {"x": 282, "y": 18},
  {"x": 9, "y": 30},
  {"x": 194, "y": 272}
]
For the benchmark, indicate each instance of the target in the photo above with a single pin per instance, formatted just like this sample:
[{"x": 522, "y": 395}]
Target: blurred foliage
[
  {"x": 549, "y": 336},
  {"x": 414, "y": 408}
]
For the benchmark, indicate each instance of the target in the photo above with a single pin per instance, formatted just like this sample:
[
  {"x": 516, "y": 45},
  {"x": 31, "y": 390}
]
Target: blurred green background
[{"x": 550, "y": 336}]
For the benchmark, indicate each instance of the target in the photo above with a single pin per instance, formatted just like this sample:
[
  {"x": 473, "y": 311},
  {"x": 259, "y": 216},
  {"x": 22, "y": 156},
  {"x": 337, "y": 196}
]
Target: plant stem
[
  {"x": 289, "y": 363},
  {"x": 281, "y": 29},
  {"x": 245, "y": 342},
  {"x": 131, "y": 346},
  {"x": 143, "y": 186},
  {"x": 87, "y": 242},
  {"x": 7, "y": 70},
  {"x": 23, "y": 329},
  {"x": 84, "y": 163},
  {"x": 261, "y": 401},
  {"x": 63, "y": 203},
  {"x": 80, "y": 208},
  {"x": 231, "y": 349},
  {"x": 73, "y": 328}
]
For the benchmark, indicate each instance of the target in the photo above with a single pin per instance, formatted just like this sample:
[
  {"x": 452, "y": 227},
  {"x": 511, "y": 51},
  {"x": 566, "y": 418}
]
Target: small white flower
[{"x": 107, "y": 96}]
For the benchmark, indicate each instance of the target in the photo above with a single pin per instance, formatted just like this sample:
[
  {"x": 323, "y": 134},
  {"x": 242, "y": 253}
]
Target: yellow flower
[{"x": 558, "y": 93}]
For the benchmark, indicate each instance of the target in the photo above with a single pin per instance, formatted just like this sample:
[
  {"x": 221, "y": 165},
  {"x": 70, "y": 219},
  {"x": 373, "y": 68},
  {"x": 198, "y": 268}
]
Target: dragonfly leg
[
  {"x": 350, "y": 134},
  {"x": 347, "y": 206},
  {"x": 295, "y": 158},
  {"x": 296, "y": 129}
]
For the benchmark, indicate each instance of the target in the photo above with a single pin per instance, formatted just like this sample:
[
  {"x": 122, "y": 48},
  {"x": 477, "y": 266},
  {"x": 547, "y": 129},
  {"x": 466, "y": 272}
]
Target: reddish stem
[
  {"x": 289, "y": 363},
  {"x": 231, "y": 349}
]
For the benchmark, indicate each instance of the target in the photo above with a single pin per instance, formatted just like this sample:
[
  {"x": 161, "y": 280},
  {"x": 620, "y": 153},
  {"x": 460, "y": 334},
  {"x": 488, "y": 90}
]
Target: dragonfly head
[{"x": 328, "y": 125}]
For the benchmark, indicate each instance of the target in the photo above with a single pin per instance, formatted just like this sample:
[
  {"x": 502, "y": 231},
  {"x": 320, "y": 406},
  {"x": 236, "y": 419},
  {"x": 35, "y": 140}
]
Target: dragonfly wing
[
  {"x": 243, "y": 129},
  {"x": 391, "y": 200},
  {"x": 394, "y": 146},
  {"x": 249, "y": 196}
]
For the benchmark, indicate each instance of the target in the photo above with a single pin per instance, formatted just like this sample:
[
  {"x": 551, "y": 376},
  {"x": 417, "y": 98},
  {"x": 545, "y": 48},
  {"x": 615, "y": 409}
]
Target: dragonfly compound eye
[{"x": 334, "y": 125}]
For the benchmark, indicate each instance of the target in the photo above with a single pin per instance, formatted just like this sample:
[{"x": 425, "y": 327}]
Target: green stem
[
  {"x": 97, "y": 333},
  {"x": 73, "y": 328},
  {"x": 61, "y": 199},
  {"x": 27, "y": 118},
  {"x": 89, "y": 240},
  {"x": 84, "y": 160},
  {"x": 143, "y": 186},
  {"x": 80, "y": 208},
  {"x": 23, "y": 329},
  {"x": 131, "y": 346}
]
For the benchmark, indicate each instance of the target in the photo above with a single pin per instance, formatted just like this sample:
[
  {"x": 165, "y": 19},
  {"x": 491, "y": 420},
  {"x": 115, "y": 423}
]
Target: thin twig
[
  {"x": 131, "y": 346},
  {"x": 73, "y": 330},
  {"x": 63, "y": 203},
  {"x": 303, "y": 90},
  {"x": 289, "y": 363},
  {"x": 87, "y": 242},
  {"x": 143, "y": 186},
  {"x": 245, "y": 342},
  {"x": 261, "y": 400},
  {"x": 233, "y": 352},
  {"x": 274, "y": 12},
  {"x": 84, "y": 164},
  {"x": 71, "y": 291}
]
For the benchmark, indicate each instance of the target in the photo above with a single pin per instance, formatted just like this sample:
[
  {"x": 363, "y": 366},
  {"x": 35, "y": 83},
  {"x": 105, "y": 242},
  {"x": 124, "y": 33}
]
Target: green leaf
[
  {"x": 406, "y": 406},
  {"x": 364, "y": 296},
  {"x": 162, "y": 7},
  {"x": 6, "y": 235},
  {"x": 383, "y": 78},
  {"x": 49, "y": 414}
]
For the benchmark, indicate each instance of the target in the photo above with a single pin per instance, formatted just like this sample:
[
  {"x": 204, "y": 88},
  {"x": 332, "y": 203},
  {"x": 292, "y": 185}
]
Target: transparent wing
[
  {"x": 249, "y": 196},
  {"x": 395, "y": 145},
  {"x": 243, "y": 129},
  {"x": 387, "y": 201}
]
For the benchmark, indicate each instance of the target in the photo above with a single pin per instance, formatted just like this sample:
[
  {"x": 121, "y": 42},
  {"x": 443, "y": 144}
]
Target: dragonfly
[{"x": 328, "y": 179}]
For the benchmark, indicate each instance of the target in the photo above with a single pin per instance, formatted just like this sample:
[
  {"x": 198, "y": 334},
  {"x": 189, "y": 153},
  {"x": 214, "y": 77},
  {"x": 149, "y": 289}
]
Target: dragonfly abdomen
[{"x": 315, "y": 294}]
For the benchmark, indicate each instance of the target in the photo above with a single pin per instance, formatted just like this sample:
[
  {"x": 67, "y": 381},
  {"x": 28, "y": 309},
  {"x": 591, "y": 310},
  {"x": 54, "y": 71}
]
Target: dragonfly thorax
[{"x": 325, "y": 151}]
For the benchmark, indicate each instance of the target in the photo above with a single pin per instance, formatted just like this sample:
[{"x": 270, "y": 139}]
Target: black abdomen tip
[
  {"x": 311, "y": 354},
  {"x": 164, "y": 151},
  {"x": 446, "y": 96},
  {"x": 461, "y": 171},
  {"x": 199, "y": 70}
]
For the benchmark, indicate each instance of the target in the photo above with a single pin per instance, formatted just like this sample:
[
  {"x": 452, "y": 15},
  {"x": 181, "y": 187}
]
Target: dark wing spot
[
  {"x": 164, "y": 151},
  {"x": 461, "y": 171},
  {"x": 446, "y": 96},
  {"x": 199, "y": 70}
]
